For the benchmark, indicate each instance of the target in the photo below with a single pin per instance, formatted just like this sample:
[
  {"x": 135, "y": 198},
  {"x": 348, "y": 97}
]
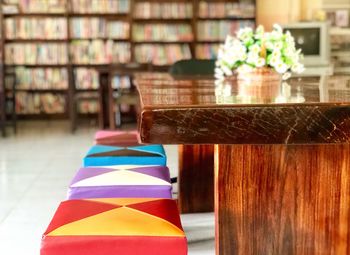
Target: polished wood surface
[
  {"x": 307, "y": 110},
  {"x": 282, "y": 164},
  {"x": 278, "y": 199},
  {"x": 196, "y": 178}
]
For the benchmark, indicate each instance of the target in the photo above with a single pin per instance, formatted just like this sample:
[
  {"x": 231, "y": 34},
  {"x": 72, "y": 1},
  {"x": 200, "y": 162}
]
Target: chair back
[{"x": 193, "y": 67}]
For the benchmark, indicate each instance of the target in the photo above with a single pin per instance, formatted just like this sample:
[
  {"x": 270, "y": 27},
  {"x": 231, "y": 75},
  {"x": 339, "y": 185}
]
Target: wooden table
[{"x": 282, "y": 157}]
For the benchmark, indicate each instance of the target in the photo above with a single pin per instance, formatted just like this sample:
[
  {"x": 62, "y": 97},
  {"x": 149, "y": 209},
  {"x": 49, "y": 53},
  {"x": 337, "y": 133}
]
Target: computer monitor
[{"x": 313, "y": 38}]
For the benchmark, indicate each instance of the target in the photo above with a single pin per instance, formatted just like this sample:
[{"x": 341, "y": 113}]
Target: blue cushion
[{"x": 101, "y": 155}]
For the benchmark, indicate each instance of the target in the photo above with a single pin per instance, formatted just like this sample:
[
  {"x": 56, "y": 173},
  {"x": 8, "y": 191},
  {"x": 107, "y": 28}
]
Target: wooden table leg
[
  {"x": 196, "y": 178},
  {"x": 276, "y": 199}
]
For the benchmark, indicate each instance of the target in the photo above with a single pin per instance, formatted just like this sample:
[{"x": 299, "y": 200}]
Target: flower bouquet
[{"x": 259, "y": 55}]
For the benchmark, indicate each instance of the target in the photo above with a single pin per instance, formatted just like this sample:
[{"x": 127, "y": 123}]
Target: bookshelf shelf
[
  {"x": 118, "y": 16},
  {"x": 35, "y": 40},
  {"x": 36, "y": 65},
  {"x": 149, "y": 47},
  {"x": 33, "y": 15},
  {"x": 41, "y": 90},
  {"x": 227, "y": 18},
  {"x": 163, "y": 42},
  {"x": 162, "y": 20}
]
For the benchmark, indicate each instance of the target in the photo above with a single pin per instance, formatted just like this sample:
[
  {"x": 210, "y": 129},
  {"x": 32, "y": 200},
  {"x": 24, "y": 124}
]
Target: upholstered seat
[
  {"x": 117, "y": 138},
  {"x": 121, "y": 181},
  {"x": 115, "y": 226},
  {"x": 102, "y": 155}
]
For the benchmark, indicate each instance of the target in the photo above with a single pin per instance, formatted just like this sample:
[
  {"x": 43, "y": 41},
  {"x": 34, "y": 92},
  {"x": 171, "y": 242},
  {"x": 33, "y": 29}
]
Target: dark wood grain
[
  {"x": 278, "y": 199},
  {"x": 293, "y": 124},
  {"x": 196, "y": 178},
  {"x": 196, "y": 111}
]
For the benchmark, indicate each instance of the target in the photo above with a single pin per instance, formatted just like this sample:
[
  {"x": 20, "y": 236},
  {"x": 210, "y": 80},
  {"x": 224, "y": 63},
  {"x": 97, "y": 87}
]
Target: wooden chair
[{"x": 193, "y": 67}]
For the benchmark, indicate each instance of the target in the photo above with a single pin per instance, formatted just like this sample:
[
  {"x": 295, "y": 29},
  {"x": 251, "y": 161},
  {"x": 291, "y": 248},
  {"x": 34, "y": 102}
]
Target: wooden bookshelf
[{"x": 166, "y": 16}]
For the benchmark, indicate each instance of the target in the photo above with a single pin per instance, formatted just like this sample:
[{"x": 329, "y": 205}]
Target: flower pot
[
  {"x": 261, "y": 76},
  {"x": 261, "y": 84}
]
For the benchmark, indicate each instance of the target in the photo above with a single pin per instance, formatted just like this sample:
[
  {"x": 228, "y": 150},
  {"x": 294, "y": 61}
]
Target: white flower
[
  {"x": 255, "y": 48},
  {"x": 252, "y": 58},
  {"x": 281, "y": 67},
  {"x": 298, "y": 68},
  {"x": 245, "y": 68},
  {"x": 269, "y": 45},
  {"x": 259, "y": 32},
  {"x": 245, "y": 35},
  {"x": 278, "y": 45},
  {"x": 276, "y": 53},
  {"x": 260, "y": 62},
  {"x": 275, "y": 61}
]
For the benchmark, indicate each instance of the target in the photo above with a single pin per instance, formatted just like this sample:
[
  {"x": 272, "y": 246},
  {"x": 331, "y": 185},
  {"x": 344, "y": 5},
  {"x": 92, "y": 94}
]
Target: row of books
[
  {"x": 226, "y": 9},
  {"x": 162, "y": 32},
  {"x": 121, "y": 82},
  {"x": 101, "y": 6},
  {"x": 86, "y": 78},
  {"x": 87, "y": 106},
  {"x": 41, "y": 78},
  {"x": 100, "y": 52},
  {"x": 218, "y": 30},
  {"x": 36, "y": 103},
  {"x": 36, "y": 54},
  {"x": 167, "y": 10},
  {"x": 99, "y": 28},
  {"x": 35, "y": 28},
  {"x": 207, "y": 51},
  {"x": 39, "y": 6},
  {"x": 162, "y": 54}
]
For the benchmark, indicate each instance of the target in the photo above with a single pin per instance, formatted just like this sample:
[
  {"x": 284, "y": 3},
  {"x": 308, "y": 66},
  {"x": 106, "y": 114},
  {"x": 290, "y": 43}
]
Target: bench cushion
[
  {"x": 103, "y": 155},
  {"x": 115, "y": 226},
  {"x": 121, "y": 181},
  {"x": 117, "y": 138}
]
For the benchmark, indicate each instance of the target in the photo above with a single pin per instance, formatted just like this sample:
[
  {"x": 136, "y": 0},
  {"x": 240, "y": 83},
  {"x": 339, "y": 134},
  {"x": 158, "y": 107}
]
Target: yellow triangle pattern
[
  {"x": 119, "y": 222},
  {"x": 123, "y": 201}
]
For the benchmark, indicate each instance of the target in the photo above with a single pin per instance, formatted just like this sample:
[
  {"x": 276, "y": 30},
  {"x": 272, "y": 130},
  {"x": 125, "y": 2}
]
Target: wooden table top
[{"x": 198, "y": 111}]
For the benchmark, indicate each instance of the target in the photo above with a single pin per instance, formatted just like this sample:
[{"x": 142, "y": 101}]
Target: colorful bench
[
  {"x": 121, "y": 181},
  {"x": 102, "y": 155},
  {"x": 115, "y": 226},
  {"x": 118, "y": 138}
]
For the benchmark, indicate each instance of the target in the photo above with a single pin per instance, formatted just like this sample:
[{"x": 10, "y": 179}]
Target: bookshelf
[{"x": 56, "y": 47}]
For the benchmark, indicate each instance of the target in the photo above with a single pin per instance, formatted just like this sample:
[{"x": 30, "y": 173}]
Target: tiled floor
[{"x": 36, "y": 166}]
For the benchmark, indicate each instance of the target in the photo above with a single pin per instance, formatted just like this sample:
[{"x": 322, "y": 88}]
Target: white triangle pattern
[{"x": 120, "y": 177}]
